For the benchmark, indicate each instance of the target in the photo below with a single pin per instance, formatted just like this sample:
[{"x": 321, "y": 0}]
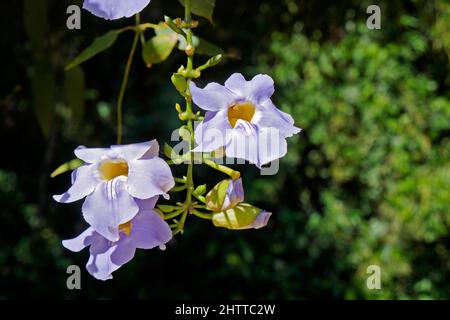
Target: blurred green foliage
[
  {"x": 366, "y": 182},
  {"x": 373, "y": 164}
]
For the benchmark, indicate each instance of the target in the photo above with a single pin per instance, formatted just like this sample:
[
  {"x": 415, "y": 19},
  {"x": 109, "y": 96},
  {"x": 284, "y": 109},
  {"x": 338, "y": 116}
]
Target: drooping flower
[
  {"x": 225, "y": 200},
  {"x": 242, "y": 118},
  {"x": 146, "y": 230},
  {"x": 114, "y": 9},
  {"x": 113, "y": 179},
  {"x": 243, "y": 216},
  {"x": 225, "y": 195}
]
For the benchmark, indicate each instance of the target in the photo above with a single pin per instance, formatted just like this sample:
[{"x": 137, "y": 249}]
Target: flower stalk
[
  {"x": 126, "y": 75},
  {"x": 189, "y": 183}
]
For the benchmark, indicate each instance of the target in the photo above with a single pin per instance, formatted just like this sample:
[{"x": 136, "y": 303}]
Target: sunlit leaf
[
  {"x": 158, "y": 48},
  {"x": 68, "y": 166}
]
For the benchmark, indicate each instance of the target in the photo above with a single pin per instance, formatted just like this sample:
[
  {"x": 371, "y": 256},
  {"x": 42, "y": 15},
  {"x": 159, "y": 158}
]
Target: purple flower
[
  {"x": 146, "y": 230},
  {"x": 114, "y": 9},
  {"x": 241, "y": 117},
  {"x": 113, "y": 179}
]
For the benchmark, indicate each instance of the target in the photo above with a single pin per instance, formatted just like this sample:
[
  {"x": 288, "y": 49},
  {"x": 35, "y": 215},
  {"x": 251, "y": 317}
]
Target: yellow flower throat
[
  {"x": 244, "y": 111},
  {"x": 111, "y": 169}
]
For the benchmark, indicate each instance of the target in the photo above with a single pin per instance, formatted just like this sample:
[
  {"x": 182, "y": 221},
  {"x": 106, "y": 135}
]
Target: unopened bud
[{"x": 243, "y": 216}]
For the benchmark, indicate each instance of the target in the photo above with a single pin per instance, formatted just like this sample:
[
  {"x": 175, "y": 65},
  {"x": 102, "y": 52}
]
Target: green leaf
[
  {"x": 42, "y": 78},
  {"x": 68, "y": 166},
  {"x": 200, "y": 190},
  {"x": 43, "y": 87},
  {"x": 100, "y": 44},
  {"x": 74, "y": 93},
  {"x": 202, "y": 8},
  {"x": 166, "y": 208},
  {"x": 179, "y": 82},
  {"x": 158, "y": 48},
  {"x": 36, "y": 25}
]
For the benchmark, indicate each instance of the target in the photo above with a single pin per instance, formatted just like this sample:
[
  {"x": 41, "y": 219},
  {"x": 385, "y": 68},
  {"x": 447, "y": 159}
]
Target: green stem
[
  {"x": 230, "y": 172},
  {"x": 180, "y": 180},
  {"x": 172, "y": 215},
  {"x": 190, "y": 169},
  {"x": 201, "y": 214},
  {"x": 125, "y": 82}
]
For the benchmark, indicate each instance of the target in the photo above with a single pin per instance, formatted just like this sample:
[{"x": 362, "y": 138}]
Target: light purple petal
[
  {"x": 148, "y": 178},
  {"x": 143, "y": 150},
  {"x": 82, "y": 241},
  {"x": 114, "y": 9},
  {"x": 146, "y": 204},
  {"x": 237, "y": 84},
  {"x": 149, "y": 230},
  {"x": 234, "y": 194},
  {"x": 257, "y": 145},
  {"x": 84, "y": 182},
  {"x": 211, "y": 133},
  {"x": 243, "y": 143},
  {"x": 90, "y": 155},
  {"x": 260, "y": 88},
  {"x": 99, "y": 264},
  {"x": 124, "y": 251},
  {"x": 257, "y": 90},
  {"x": 213, "y": 97},
  {"x": 109, "y": 206},
  {"x": 271, "y": 116},
  {"x": 261, "y": 220}
]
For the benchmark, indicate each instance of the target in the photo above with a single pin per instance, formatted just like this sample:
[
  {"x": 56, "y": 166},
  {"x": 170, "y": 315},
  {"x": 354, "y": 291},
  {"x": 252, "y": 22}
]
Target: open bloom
[
  {"x": 241, "y": 117},
  {"x": 146, "y": 230},
  {"x": 114, "y": 9},
  {"x": 113, "y": 179}
]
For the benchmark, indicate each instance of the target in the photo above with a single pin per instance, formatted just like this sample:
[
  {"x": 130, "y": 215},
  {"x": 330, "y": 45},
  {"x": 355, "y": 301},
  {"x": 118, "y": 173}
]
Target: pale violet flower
[
  {"x": 113, "y": 179},
  {"x": 241, "y": 118},
  {"x": 146, "y": 230},
  {"x": 114, "y": 9}
]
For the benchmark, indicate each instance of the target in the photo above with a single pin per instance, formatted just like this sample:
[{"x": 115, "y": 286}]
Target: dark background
[{"x": 367, "y": 182}]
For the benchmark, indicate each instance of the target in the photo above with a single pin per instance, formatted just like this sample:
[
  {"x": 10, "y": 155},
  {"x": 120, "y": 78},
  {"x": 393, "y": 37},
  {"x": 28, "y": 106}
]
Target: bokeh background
[{"x": 367, "y": 182}]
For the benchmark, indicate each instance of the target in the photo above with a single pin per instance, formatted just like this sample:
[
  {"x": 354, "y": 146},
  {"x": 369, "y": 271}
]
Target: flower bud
[
  {"x": 172, "y": 25},
  {"x": 243, "y": 216},
  {"x": 225, "y": 195},
  {"x": 189, "y": 50},
  {"x": 179, "y": 82}
]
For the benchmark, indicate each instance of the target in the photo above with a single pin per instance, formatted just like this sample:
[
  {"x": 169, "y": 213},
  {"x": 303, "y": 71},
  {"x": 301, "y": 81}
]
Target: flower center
[
  {"x": 244, "y": 111},
  {"x": 125, "y": 228},
  {"x": 111, "y": 169}
]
